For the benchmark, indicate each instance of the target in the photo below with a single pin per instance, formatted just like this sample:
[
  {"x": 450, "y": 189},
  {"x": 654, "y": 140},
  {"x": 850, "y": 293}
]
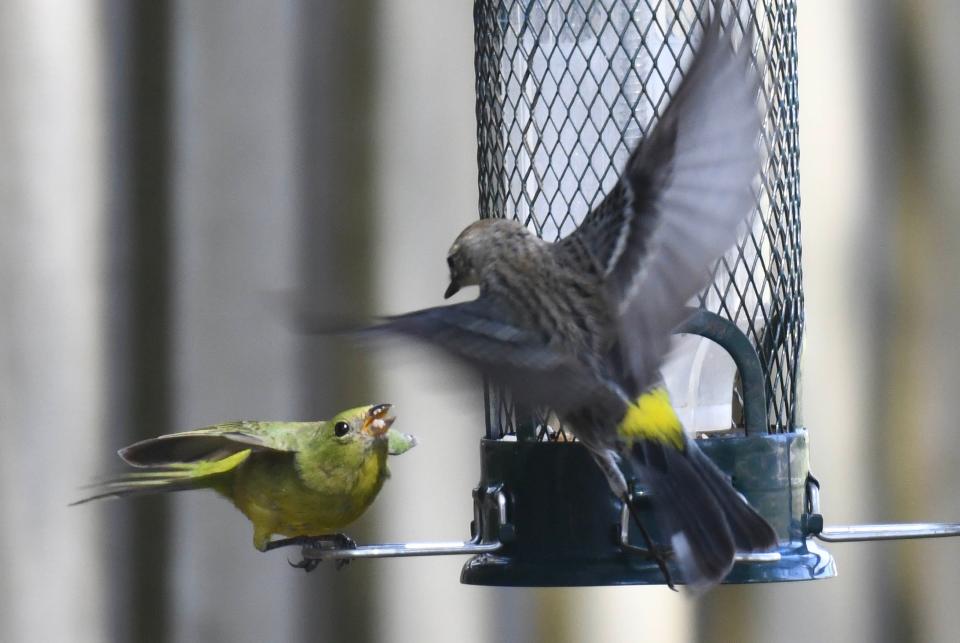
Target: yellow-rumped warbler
[{"x": 582, "y": 325}]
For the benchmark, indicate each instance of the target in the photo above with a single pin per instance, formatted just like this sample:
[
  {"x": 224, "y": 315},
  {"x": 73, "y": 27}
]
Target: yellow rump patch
[{"x": 652, "y": 417}]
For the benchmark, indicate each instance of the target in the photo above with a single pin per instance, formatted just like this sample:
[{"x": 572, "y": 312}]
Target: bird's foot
[
  {"x": 656, "y": 553},
  {"x": 307, "y": 564},
  {"x": 660, "y": 555},
  {"x": 312, "y": 548}
]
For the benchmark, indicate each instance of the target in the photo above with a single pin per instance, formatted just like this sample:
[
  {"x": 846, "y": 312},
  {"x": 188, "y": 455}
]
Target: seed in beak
[
  {"x": 378, "y": 423},
  {"x": 381, "y": 426}
]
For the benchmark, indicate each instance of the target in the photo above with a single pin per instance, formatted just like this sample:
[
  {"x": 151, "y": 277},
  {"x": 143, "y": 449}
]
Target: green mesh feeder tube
[{"x": 564, "y": 91}]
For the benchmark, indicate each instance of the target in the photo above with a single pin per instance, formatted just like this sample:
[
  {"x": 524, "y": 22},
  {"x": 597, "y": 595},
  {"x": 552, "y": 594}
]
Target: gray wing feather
[
  {"x": 477, "y": 333},
  {"x": 699, "y": 204},
  {"x": 211, "y": 443}
]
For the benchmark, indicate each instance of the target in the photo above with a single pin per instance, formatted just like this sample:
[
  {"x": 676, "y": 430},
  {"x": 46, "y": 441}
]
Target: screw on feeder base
[{"x": 811, "y": 524}]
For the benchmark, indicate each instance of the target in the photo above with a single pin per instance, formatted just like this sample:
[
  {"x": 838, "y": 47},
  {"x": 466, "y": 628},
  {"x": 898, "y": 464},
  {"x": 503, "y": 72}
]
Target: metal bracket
[
  {"x": 626, "y": 545},
  {"x": 486, "y": 501},
  {"x": 812, "y": 522}
]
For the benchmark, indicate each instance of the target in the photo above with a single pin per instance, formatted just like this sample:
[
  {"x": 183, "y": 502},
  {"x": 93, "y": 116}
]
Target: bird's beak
[
  {"x": 377, "y": 422},
  {"x": 452, "y": 289}
]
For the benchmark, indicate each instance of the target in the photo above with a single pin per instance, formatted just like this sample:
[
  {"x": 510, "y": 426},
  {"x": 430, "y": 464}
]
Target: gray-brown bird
[{"x": 582, "y": 325}]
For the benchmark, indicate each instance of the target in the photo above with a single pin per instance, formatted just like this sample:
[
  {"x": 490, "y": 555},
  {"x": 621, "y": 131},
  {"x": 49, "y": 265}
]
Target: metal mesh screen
[{"x": 565, "y": 88}]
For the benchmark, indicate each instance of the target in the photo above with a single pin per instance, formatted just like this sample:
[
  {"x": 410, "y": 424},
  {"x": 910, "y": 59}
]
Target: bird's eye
[
  {"x": 450, "y": 262},
  {"x": 340, "y": 429}
]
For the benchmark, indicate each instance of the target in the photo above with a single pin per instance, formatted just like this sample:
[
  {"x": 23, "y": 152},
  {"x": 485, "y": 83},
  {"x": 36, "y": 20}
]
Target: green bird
[
  {"x": 301, "y": 480},
  {"x": 582, "y": 325}
]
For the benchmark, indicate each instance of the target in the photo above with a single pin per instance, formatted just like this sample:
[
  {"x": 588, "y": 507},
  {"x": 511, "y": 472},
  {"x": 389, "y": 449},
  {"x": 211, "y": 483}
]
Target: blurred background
[{"x": 170, "y": 172}]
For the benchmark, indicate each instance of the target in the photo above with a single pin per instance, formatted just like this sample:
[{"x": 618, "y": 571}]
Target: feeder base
[{"x": 565, "y": 523}]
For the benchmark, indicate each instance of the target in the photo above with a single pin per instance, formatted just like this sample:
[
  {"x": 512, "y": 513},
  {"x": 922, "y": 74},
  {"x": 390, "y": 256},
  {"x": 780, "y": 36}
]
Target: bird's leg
[
  {"x": 325, "y": 541},
  {"x": 607, "y": 460},
  {"x": 656, "y": 552},
  {"x": 313, "y": 543},
  {"x": 287, "y": 542}
]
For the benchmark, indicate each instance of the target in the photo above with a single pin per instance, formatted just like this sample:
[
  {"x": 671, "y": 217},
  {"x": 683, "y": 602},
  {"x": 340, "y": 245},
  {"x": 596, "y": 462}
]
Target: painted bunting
[{"x": 301, "y": 480}]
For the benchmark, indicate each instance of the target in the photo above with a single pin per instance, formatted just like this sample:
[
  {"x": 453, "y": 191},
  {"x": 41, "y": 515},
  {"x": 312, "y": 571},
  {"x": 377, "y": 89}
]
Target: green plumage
[{"x": 288, "y": 478}]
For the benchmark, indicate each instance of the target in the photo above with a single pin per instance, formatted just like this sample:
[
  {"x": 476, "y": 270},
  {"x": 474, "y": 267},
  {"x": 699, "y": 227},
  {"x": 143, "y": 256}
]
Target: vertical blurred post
[
  {"x": 52, "y": 398},
  {"x": 426, "y": 174},
  {"x": 233, "y": 244},
  {"x": 335, "y": 260},
  {"x": 137, "y": 64},
  {"x": 924, "y": 371}
]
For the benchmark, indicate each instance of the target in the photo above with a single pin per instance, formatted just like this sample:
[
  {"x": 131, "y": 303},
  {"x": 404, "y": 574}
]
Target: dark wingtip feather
[
  {"x": 705, "y": 519},
  {"x": 103, "y": 495},
  {"x": 135, "y": 484},
  {"x": 686, "y": 512}
]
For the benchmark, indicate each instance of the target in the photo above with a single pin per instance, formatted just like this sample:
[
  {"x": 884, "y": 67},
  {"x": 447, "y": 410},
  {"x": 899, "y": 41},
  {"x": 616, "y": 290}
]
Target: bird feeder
[
  {"x": 565, "y": 89},
  {"x": 564, "y": 92}
]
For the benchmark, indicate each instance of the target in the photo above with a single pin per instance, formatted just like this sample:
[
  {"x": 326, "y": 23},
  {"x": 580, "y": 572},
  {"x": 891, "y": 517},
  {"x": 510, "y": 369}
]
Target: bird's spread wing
[
  {"x": 680, "y": 200},
  {"x": 476, "y": 332},
  {"x": 714, "y": 123},
  {"x": 211, "y": 443}
]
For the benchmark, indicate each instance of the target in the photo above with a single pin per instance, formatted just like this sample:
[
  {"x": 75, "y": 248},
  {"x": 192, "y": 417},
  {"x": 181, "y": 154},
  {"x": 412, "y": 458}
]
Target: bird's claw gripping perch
[
  {"x": 312, "y": 548},
  {"x": 307, "y": 564},
  {"x": 657, "y": 553}
]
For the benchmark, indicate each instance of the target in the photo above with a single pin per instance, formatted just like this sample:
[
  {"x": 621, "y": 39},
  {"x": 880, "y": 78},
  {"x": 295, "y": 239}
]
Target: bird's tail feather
[
  {"x": 751, "y": 532},
  {"x": 698, "y": 512},
  {"x": 172, "y": 477},
  {"x": 139, "y": 483}
]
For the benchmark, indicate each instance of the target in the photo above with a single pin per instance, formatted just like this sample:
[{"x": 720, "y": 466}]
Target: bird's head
[
  {"x": 478, "y": 246},
  {"x": 364, "y": 423},
  {"x": 349, "y": 440}
]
